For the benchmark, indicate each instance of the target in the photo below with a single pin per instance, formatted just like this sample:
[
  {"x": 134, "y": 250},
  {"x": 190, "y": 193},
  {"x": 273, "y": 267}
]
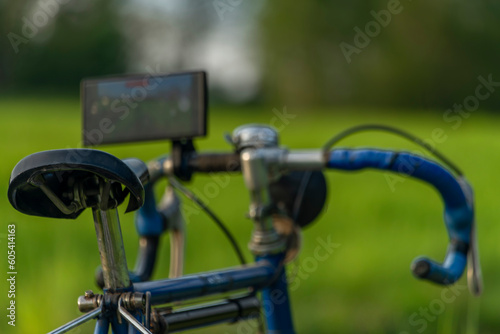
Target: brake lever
[{"x": 474, "y": 273}]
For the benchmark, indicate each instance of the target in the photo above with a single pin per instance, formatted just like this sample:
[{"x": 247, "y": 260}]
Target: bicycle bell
[{"x": 254, "y": 135}]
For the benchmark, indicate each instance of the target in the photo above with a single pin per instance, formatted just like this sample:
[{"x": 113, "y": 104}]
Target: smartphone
[{"x": 146, "y": 107}]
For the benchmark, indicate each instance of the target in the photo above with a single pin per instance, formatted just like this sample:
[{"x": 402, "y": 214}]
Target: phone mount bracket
[{"x": 182, "y": 150}]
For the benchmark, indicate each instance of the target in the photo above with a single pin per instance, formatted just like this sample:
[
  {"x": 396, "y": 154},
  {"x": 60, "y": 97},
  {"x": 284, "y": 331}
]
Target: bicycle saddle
[{"x": 62, "y": 183}]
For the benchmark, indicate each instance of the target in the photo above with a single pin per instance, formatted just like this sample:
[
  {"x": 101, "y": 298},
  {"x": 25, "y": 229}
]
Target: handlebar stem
[{"x": 264, "y": 240}]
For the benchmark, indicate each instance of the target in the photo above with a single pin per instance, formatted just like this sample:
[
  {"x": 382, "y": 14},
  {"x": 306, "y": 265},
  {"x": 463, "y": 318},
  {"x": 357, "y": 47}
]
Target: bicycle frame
[{"x": 266, "y": 275}]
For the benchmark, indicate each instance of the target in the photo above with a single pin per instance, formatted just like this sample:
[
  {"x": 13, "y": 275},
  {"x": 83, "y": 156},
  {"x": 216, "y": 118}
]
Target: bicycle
[{"x": 287, "y": 192}]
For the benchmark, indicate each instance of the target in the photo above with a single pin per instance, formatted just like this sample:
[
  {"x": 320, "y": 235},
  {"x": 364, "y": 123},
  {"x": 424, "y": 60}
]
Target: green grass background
[{"x": 365, "y": 286}]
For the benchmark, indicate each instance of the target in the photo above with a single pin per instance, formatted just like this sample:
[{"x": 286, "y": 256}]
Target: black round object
[{"x": 301, "y": 194}]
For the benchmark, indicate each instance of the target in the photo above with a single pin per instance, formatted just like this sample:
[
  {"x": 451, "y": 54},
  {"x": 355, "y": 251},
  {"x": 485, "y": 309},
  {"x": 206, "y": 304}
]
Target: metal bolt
[
  {"x": 89, "y": 294},
  {"x": 86, "y": 303},
  {"x": 134, "y": 300}
]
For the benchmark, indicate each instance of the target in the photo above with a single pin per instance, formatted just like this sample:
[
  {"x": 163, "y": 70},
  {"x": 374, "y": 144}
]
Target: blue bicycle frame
[{"x": 266, "y": 275}]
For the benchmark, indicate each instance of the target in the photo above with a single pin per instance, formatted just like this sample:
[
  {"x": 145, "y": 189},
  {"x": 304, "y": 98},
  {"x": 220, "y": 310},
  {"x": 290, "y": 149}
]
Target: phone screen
[{"x": 143, "y": 108}]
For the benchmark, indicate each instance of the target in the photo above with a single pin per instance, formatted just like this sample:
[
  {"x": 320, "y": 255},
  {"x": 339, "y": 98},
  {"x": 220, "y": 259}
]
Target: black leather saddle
[{"x": 62, "y": 183}]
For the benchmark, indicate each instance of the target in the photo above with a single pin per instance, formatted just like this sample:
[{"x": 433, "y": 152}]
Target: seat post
[{"x": 111, "y": 249}]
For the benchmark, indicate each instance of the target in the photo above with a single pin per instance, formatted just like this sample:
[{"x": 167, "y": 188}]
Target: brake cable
[{"x": 190, "y": 195}]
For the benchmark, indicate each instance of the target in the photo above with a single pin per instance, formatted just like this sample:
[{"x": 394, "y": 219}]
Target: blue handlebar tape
[{"x": 456, "y": 194}]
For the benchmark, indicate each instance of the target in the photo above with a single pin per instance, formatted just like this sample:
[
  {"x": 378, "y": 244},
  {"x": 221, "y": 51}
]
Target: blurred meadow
[{"x": 263, "y": 59}]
